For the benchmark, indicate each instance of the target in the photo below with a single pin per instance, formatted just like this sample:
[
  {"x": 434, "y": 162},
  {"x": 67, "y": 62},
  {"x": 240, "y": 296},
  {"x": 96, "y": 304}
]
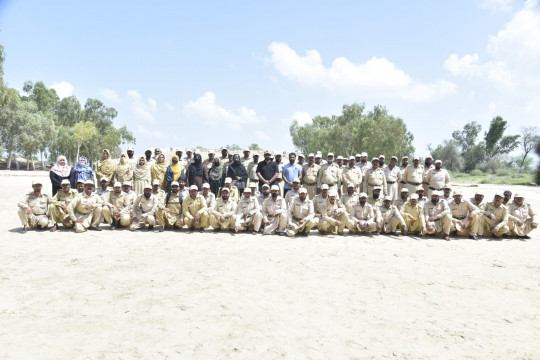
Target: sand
[{"x": 146, "y": 295}]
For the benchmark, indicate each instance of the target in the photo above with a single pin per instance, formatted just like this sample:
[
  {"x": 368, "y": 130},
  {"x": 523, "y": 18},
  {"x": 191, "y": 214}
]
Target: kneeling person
[
  {"x": 59, "y": 204},
  {"x": 86, "y": 209},
  {"x": 301, "y": 214},
  {"x": 437, "y": 215},
  {"x": 274, "y": 211},
  {"x": 117, "y": 207},
  {"x": 222, "y": 215},
  {"x": 248, "y": 213},
  {"x": 522, "y": 219},
  {"x": 363, "y": 216},
  {"x": 495, "y": 219},
  {"x": 144, "y": 210},
  {"x": 33, "y": 209},
  {"x": 464, "y": 216},
  {"x": 334, "y": 215},
  {"x": 171, "y": 216},
  {"x": 389, "y": 218},
  {"x": 194, "y": 210}
]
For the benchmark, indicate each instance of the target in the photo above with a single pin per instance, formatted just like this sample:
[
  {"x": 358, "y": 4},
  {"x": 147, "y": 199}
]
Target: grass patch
[{"x": 501, "y": 176}]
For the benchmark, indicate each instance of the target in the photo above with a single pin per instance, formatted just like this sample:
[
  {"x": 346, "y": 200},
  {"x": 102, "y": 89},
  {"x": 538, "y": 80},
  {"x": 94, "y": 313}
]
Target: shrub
[
  {"x": 502, "y": 172},
  {"x": 476, "y": 172}
]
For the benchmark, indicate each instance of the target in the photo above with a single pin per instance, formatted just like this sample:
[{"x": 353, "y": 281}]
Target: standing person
[
  {"x": 252, "y": 170},
  {"x": 34, "y": 208},
  {"x": 246, "y": 159},
  {"x": 106, "y": 166},
  {"x": 267, "y": 170},
  {"x": 437, "y": 178},
  {"x": 351, "y": 175},
  {"x": 141, "y": 176},
  {"x": 374, "y": 177},
  {"x": 189, "y": 157},
  {"x": 197, "y": 172},
  {"x": 124, "y": 170},
  {"x": 208, "y": 162},
  {"x": 393, "y": 177},
  {"x": 81, "y": 172},
  {"x": 404, "y": 164},
  {"x": 224, "y": 156},
  {"x": 132, "y": 160},
  {"x": 174, "y": 172},
  {"x": 291, "y": 171},
  {"x": 158, "y": 170},
  {"x": 238, "y": 173},
  {"x": 413, "y": 176},
  {"x": 148, "y": 157},
  {"x": 329, "y": 174},
  {"x": 216, "y": 176},
  {"x": 309, "y": 179},
  {"x": 59, "y": 172},
  {"x": 279, "y": 179}
]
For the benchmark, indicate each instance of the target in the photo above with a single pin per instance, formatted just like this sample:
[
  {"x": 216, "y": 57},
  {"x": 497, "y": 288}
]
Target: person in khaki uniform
[
  {"x": 194, "y": 208},
  {"x": 403, "y": 166},
  {"x": 428, "y": 165},
  {"x": 116, "y": 207},
  {"x": 172, "y": 215},
  {"x": 291, "y": 194},
  {"x": 413, "y": 176},
  {"x": 437, "y": 178},
  {"x": 363, "y": 216},
  {"x": 144, "y": 210},
  {"x": 300, "y": 215},
  {"x": 521, "y": 217},
  {"x": 222, "y": 215},
  {"x": 464, "y": 216},
  {"x": 33, "y": 209},
  {"x": 209, "y": 197},
  {"x": 413, "y": 214},
  {"x": 392, "y": 174},
  {"x": 334, "y": 215},
  {"x": 233, "y": 190},
  {"x": 264, "y": 195},
  {"x": 252, "y": 170},
  {"x": 309, "y": 179},
  {"x": 447, "y": 193},
  {"x": 329, "y": 174},
  {"x": 374, "y": 177},
  {"x": 376, "y": 199},
  {"x": 402, "y": 200},
  {"x": 437, "y": 215},
  {"x": 352, "y": 175},
  {"x": 58, "y": 206},
  {"x": 319, "y": 202},
  {"x": 274, "y": 212},
  {"x": 389, "y": 218},
  {"x": 495, "y": 218},
  {"x": 479, "y": 202},
  {"x": 248, "y": 213},
  {"x": 254, "y": 191},
  {"x": 350, "y": 197},
  {"x": 160, "y": 195},
  {"x": 86, "y": 209}
]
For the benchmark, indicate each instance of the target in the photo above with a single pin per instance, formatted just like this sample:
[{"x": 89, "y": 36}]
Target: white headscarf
[{"x": 60, "y": 170}]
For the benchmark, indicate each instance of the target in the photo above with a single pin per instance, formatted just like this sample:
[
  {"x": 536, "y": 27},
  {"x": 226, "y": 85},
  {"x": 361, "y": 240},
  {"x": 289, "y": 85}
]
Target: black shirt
[{"x": 267, "y": 170}]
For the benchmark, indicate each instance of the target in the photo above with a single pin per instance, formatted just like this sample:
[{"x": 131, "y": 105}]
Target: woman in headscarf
[
  {"x": 216, "y": 176},
  {"x": 174, "y": 172},
  {"x": 59, "y": 172},
  {"x": 238, "y": 173},
  {"x": 197, "y": 173},
  {"x": 141, "y": 176},
  {"x": 123, "y": 171},
  {"x": 158, "y": 170},
  {"x": 105, "y": 167},
  {"x": 81, "y": 172}
]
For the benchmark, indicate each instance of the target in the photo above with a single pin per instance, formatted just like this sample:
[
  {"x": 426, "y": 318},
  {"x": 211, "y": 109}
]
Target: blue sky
[{"x": 211, "y": 73}]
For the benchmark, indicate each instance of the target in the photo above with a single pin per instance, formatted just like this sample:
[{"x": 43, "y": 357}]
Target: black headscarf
[
  {"x": 237, "y": 169},
  {"x": 196, "y": 168}
]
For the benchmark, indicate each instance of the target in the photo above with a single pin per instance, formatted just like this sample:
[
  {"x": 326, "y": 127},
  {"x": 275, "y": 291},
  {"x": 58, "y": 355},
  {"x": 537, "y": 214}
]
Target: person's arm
[
  {"x": 276, "y": 173},
  {"x": 185, "y": 209},
  {"x": 202, "y": 203},
  {"x": 73, "y": 205}
]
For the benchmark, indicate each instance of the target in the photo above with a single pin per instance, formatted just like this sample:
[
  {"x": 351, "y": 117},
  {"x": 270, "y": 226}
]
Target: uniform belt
[
  {"x": 390, "y": 182},
  {"x": 372, "y": 185},
  {"x": 330, "y": 185},
  {"x": 253, "y": 179},
  {"x": 432, "y": 188},
  {"x": 312, "y": 184},
  {"x": 278, "y": 180},
  {"x": 459, "y": 217},
  {"x": 415, "y": 184}
]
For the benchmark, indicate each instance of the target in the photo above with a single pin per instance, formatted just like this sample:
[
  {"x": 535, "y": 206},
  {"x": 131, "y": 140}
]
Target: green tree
[
  {"x": 496, "y": 142},
  {"x": 449, "y": 153},
  {"x": 473, "y": 153},
  {"x": 12, "y": 120},
  {"x": 83, "y": 132},
  {"x": 45, "y": 98},
  {"x": 254, "y": 146},
  {"x": 529, "y": 138},
  {"x": 233, "y": 147},
  {"x": 353, "y": 131}
]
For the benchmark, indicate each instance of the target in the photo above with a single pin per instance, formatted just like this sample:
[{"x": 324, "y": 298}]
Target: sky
[{"x": 211, "y": 73}]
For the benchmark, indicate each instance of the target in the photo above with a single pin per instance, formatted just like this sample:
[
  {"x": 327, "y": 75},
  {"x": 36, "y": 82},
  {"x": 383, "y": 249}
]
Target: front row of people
[{"x": 294, "y": 214}]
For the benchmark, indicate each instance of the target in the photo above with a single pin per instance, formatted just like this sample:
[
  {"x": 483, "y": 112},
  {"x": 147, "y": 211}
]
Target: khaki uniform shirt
[
  {"x": 437, "y": 179},
  {"x": 121, "y": 202},
  {"x": 252, "y": 171},
  {"x": 301, "y": 210},
  {"x": 193, "y": 206},
  {"x": 245, "y": 162},
  {"x": 174, "y": 205},
  {"x": 349, "y": 200},
  {"x": 161, "y": 196},
  {"x": 143, "y": 205},
  {"x": 210, "y": 199},
  {"x": 392, "y": 175},
  {"x": 309, "y": 176},
  {"x": 38, "y": 204},
  {"x": 417, "y": 212},
  {"x": 364, "y": 213},
  {"x": 261, "y": 199},
  {"x": 383, "y": 214},
  {"x": 328, "y": 174},
  {"x": 290, "y": 195},
  {"x": 352, "y": 175},
  {"x": 319, "y": 204},
  {"x": 522, "y": 212},
  {"x": 131, "y": 195},
  {"x": 413, "y": 176},
  {"x": 248, "y": 206},
  {"x": 332, "y": 211},
  {"x": 374, "y": 177},
  {"x": 102, "y": 193},
  {"x": 80, "y": 202},
  {"x": 61, "y": 198},
  {"x": 481, "y": 206},
  {"x": 440, "y": 209},
  {"x": 270, "y": 206},
  {"x": 233, "y": 193},
  {"x": 462, "y": 210},
  {"x": 501, "y": 213},
  {"x": 222, "y": 208},
  {"x": 363, "y": 167},
  {"x": 399, "y": 203},
  {"x": 375, "y": 202}
]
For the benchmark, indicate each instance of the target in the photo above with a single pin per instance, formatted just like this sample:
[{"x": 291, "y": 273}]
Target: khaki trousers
[
  {"x": 59, "y": 216},
  {"x": 278, "y": 222},
  {"x": 520, "y": 230},
  {"x": 227, "y": 225},
  {"x": 33, "y": 220},
  {"x": 294, "y": 227},
  {"x": 487, "y": 225},
  {"x": 252, "y": 220},
  {"x": 204, "y": 221},
  {"x": 354, "y": 227},
  {"x": 442, "y": 225},
  {"x": 146, "y": 219},
  {"x": 93, "y": 218},
  {"x": 468, "y": 228},
  {"x": 124, "y": 217},
  {"x": 329, "y": 227}
]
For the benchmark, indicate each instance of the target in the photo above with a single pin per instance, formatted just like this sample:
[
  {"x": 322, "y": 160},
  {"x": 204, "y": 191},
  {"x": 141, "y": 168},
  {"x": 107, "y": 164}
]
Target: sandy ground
[{"x": 124, "y": 295}]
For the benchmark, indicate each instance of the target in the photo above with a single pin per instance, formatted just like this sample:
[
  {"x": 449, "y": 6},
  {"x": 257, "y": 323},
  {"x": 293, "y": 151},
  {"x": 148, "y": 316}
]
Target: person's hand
[
  {"x": 79, "y": 220},
  {"x": 424, "y": 231},
  {"x": 404, "y": 230},
  {"x": 222, "y": 219},
  {"x": 519, "y": 222},
  {"x": 338, "y": 223},
  {"x": 28, "y": 210},
  {"x": 492, "y": 216},
  {"x": 89, "y": 206},
  {"x": 378, "y": 227},
  {"x": 291, "y": 227},
  {"x": 470, "y": 217},
  {"x": 267, "y": 223},
  {"x": 301, "y": 222},
  {"x": 496, "y": 229},
  {"x": 461, "y": 223},
  {"x": 411, "y": 218},
  {"x": 65, "y": 208},
  {"x": 167, "y": 210}
]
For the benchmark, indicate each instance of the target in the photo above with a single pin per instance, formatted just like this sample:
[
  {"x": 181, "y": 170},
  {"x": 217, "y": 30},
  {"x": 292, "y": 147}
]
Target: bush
[
  {"x": 476, "y": 172},
  {"x": 502, "y": 172}
]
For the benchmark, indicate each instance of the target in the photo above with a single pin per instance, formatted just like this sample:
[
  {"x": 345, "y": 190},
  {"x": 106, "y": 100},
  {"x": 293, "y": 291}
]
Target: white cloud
[
  {"x": 169, "y": 107},
  {"x": 261, "y": 136},
  {"x": 205, "y": 108},
  {"x": 302, "y": 117},
  {"x": 376, "y": 76},
  {"x": 110, "y": 95},
  {"x": 63, "y": 89},
  {"x": 143, "y": 110},
  {"x": 468, "y": 65},
  {"x": 497, "y": 5}
]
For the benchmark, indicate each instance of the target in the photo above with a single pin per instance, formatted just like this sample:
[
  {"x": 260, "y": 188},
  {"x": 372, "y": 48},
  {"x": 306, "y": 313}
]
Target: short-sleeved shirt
[
  {"x": 267, "y": 170},
  {"x": 291, "y": 172}
]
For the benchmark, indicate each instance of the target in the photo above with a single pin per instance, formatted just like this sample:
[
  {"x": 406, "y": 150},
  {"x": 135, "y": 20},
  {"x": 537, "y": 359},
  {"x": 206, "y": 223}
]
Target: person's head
[
  {"x": 404, "y": 193},
  {"x": 318, "y": 158},
  {"x": 381, "y": 160},
  {"x": 105, "y": 154},
  {"x": 148, "y": 153},
  {"x": 376, "y": 192},
  {"x": 393, "y": 161},
  {"x": 124, "y": 158},
  {"x": 267, "y": 156},
  {"x": 350, "y": 189},
  {"x": 339, "y": 160},
  {"x": 420, "y": 193},
  {"x": 66, "y": 185},
  {"x": 519, "y": 199},
  {"x": 438, "y": 164},
  {"x": 197, "y": 158},
  {"x": 253, "y": 185},
  {"x": 161, "y": 158},
  {"x": 247, "y": 193},
  {"x": 507, "y": 196},
  {"x": 352, "y": 161},
  {"x": 387, "y": 201},
  {"x": 296, "y": 184},
  {"x": 211, "y": 155},
  {"x": 80, "y": 186},
  {"x": 362, "y": 198},
  {"x": 246, "y": 153},
  {"x": 155, "y": 185},
  {"x": 498, "y": 199},
  {"x": 266, "y": 190},
  {"x": 225, "y": 194},
  {"x": 179, "y": 154},
  {"x": 255, "y": 158},
  {"x": 447, "y": 190},
  {"x": 130, "y": 153},
  {"x": 157, "y": 151},
  {"x": 205, "y": 189},
  {"x": 236, "y": 158},
  {"x": 82, "y": 160},
  {"x": 375, "y": 163},
  {"x": 292, "y": 158},
  {"x": 478, "y": 197},
  {"x": 428, "y": 160},
  {"x": 88, "y": 187},
  {"x": 330, "y": 158},
  {"x": 126, "y": 187},
  {"x": 414, "y": 199},
  {"x": 227, "y": 183},
  {"x": 416, "y": 161},
  {"x": 311, "y": 159},
  {"x": 435, "y": 197},
  {"x": 230, "y": 157},
  {"x": 216, "y": 163},
  {"x": 302, "y": 194},
  {"x": 332, "y": 196},
  {"x": 181, "y": 183},
  {"x": 193, "y": 190},
  {"x": 142, "y": 161},
  {"x": 274, "y": 190},
  {"x": 37, "y": 185},
  {"x": 104, "y": 182},
  {"x": 175, "y": 186},
  {"x": 189, "y": 153},
  {"x": 324, "y": 190},
  {"x": 278, "y": 158},
  {"x": 224, "y": 153},
  {"x": 147, "y": 191},
  {"x": 301, "y": 158},
  {"x": 117, "y": 188},
  {"x": 458, "y": 196},
  {"x": 363, "y": 157},
  {"x": 62, "y": 161},
  {"x": 404, "y": 161}
]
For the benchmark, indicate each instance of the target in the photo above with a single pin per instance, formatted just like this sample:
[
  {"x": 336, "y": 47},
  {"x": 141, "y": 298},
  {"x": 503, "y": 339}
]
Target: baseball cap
[
  {"x": 175, "y": 183},
  {"x": 302, "y": 190},
  {"x": 324, "y": 187},
  {"x": 65, "y": 182},
  {"x": 228, "y": 180},
  {"x": 206, "y": 186},
  {"x": 247, "y": 190},
  {"x": 88, "y": 182},
  {"x": 362, "y": 194},
  {"x": 147, "y": 186},
  {"x": 155, "y": 182},
  {"x": 266, "y": 186},
  {"x": 274, "y": 187},
  {"x": 117, "y": 184},
  {"x": 36, "y": 182},
  {"x": 193, "y": 187}
]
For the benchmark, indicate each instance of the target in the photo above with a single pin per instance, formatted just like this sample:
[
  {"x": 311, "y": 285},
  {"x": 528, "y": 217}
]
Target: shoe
[
  {"x": 303, "y": 233},
  {"x": 190, "y": 230},
  {"x": 150, "y": 227},
  {"x": 322, "y": 232},
  {"x": 446, "y": 237},
  {"x": 24, "y": 229},
  {"x": 254, "y": 232},
  {"x": 113, "y": 227},
  {"x": 162, "y": 229},
  {"x": 201, "y": 230},
  {"x": 474, "y": 237},
  {"x": 95, "y": 228},
  {"x": 525, "y": 237},
  {"x": 54, "y": 228},
  {"x": 341, "y": 233},
  {"x": 281, "y": 233},
  {"x": 419, "y": 234},
  {"x": 216, "y": 231},
  {"x": 506, "y": 236},
  {"x": 454, "y": 233}
]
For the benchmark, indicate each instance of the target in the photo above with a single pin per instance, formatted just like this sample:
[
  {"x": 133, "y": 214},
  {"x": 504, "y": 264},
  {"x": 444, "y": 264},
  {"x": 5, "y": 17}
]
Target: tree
[
  {"x": 12, "y": 119},
  {"x": 353, "y": 131},
  {"x": 537, "y": 150},
  {"x": 44, "y": 98},
  {"x": 233, "y": 147},
  {"x": 254, "y": 146},
  {"x": 528, "y": 140},
  {"x": 450, "y": 155},
  {"x": 83, "y": 132},
  {"x": 496, "y": 142}
]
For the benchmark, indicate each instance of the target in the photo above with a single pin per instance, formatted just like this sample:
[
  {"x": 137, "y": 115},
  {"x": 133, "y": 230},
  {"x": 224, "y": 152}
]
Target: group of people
[{"x": 233, "y": 193}]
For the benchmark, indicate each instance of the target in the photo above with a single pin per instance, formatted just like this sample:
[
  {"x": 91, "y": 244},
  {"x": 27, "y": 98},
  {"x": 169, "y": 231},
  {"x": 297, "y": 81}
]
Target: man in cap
[
  {"x": 157, "y": 152},
  {"x": 58, "y": 206},
  {"x": 521, "y": 217},
  {"x": 246, "y": 159},
  {"x": 309, "y": 180},
  {"x": 274, "y": 211},
  {"x": 254, "y": 192},
  {"x": 116, "y": 207},
  {"x": 437, "y": 215},
  {"x": 392, "y": 174},
  {"x": 389, "y": 218},
  {"x": 160, "y": 195},
  {"x": 464, "y": 217},
  {"x": 437, "y": 178},
  {"x": 364, "y": 164},
  {"x": 447, "y": 193},
  {"x": 172, "y": 215},
  {"x": 318, "y": 159},
  {"x": 267, "y": 170},
  {"x": 104, "y": 189},
  {"x": 495, "y": 218},
  {"x": 233, "y": 190},
  {"x": 252, "y": 170},
  {"x": 222, "y": 215},
  {"x": 422, "y": 200},
  {"x": 189, "y": 158},
  {"x": 352, "y": 175},
  {"x": 428, "y": 165},
  {"x": 363, "y": 216},
  {"x": 301, "y": 160},
  {"x": 374, "y": 177},
  {"x": 293, "y": 192},
  {"x": 402, "y": 167},
  {"x": 414, "y": 175},
  {"x": 300, "y": 216},
  {"x": 376, "y": 199},
  {"x": 507, "y": 196},
  {"x": 143, "y": 211},
  {"x": 132, "y": 195},
  {"x": 131, "y": 158},
  {"x": 291, "y": 172},
  {"x": 264, "y": 195},
  {"x": 208, "y": 162},
  {"x": 403, "y": 198},
  {"x": 194, "y": 210},
  {"x": 34, "y": 208},
  {"x": 85, "y": 209},
  {"x": 349, "y": 198},
  {"x": 80, "y": 186},
  {"x": 382, "y": 158},
  {"x": 478, "y": 201},
  {"x": 224, "y": 156},
  {"x": 329, "y": 174},
  {"x": 248, "y": 213},
  {"x": 209, "y": 198},
  {"x": 334, "y": 215},
  {"x": 319, "y": 203},
  {"x": 413, "y": 214}
]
